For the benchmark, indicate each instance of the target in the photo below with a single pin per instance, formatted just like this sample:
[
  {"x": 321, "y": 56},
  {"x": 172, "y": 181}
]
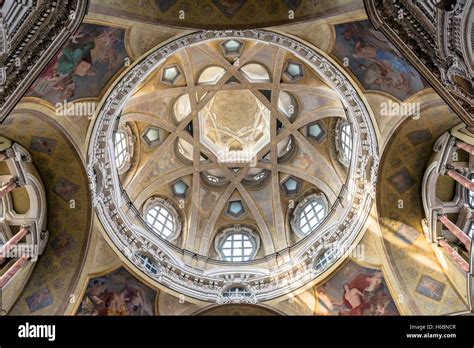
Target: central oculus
[{"x": 235, "y": 126}]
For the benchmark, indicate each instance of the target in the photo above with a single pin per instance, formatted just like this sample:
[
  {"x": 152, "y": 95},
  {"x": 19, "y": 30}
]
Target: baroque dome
[{"x": 235, "y": 189}]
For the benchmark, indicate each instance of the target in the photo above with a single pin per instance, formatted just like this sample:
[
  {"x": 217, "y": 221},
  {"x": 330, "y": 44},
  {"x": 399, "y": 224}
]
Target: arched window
[
  {"x": 344, "y": 142},
  {"x": 120, "y": 148},
  {"x": 123, "y": 148},
  {"x": 237, "y": 244},
  {"x": 162, "y": 218},
  {"x": 311, "y": 216},
  {"x": 149, "y": 264},
  {"x": 326, "y": 258},
  {"x": 308, "y": 214}
]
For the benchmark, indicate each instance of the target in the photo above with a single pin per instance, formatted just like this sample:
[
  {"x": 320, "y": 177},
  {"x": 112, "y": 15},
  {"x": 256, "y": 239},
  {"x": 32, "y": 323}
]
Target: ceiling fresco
[
  {"x": 84, "y": 65},
  {"x": 374, "y": 61},
  {"x": 117, "y": 293},
  {"x": 355, "y": 290}
]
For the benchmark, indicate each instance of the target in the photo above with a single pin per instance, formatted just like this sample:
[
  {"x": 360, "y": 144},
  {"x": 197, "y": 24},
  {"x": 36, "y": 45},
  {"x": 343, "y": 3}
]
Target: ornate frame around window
[
  {"x": 346, "y": 162},
  {"x": 295, "y": 218},
  {"x": 234, "y": 229},
  {"x": 157, "y": 201}
]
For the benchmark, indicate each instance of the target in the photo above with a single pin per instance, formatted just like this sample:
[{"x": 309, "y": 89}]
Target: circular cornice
[{"x": 293, "y": 267}]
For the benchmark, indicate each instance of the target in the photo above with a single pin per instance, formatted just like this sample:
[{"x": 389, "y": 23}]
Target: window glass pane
[
  {"x": 311, "y": 216},
  {"x": 149, "y": 264},
  {"x": 232, "y": 45},
  {"x": 237, "y": 292},
  {"x": 346, "y": 141},
  {"x": 161, "y": 220},
  {"x": 237, "y": 247},
  {"x": 315, "y": 130},
  {"x": 120, "y": 143}
]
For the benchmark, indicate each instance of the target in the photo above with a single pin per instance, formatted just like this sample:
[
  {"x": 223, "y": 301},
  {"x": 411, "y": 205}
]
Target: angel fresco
[
  {"x": 375, "y": 62},
  {"x": 83, "y": 66}
]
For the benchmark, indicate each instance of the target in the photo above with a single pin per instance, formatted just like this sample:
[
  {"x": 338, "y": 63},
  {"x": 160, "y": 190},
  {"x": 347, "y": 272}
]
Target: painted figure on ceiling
[
  {"x": 83, "y": 66},
  {"x": 355, "y": 297},
  {"x": 362, "y": 291},
  {"x": 117, "y": 294},
  {"x": 374, "y": 61}
]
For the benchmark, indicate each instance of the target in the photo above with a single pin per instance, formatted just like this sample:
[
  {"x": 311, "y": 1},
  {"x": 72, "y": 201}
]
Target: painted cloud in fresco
[
  {"x": 355, "y": 290},
  {"x": 83, "y": 66},
  {"x": 117, "y": 293},
  {"x": 374, "y": 61}
]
